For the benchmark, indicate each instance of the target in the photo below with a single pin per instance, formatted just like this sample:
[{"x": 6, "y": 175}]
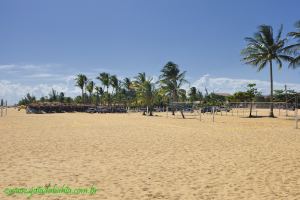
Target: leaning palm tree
[
  {"x": 114, "y": 82},
  {"x": 262, "y": 49},
  {"x": 294, "y": 49},
  {"x": 171, "y": 81},
  {"x": 81, "y": 80},
  {"x": 90, "y": 88}
]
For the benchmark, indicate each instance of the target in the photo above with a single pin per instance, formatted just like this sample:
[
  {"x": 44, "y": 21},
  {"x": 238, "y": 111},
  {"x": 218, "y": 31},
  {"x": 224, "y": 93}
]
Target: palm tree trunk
[
  {"x": 271, "y": 95},
  {"x": 173, "y": 107},
  {"x": 107, "y": 95}
]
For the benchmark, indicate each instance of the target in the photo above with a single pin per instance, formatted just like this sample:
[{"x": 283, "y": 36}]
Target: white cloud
[
  {"x": 6, "y": 67},
  {"x": 229, "y": 85},
  {"x": 24, "y": 67},
  {"x": 13, "y": 92},
  {"x": 41, "y": 75},
  {"x": 16, "y": 88}
]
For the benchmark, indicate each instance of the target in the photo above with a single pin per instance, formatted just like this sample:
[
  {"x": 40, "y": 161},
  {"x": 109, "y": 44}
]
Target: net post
[{"x": 6, "y": 108}]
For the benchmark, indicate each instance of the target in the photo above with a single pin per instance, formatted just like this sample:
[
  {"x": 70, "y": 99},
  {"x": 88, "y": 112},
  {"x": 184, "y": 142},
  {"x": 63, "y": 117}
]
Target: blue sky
[{"x": 45, "y": 43}]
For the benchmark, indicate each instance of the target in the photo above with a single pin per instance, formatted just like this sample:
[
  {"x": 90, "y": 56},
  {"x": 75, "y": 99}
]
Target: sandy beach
[{"x": 130, "y": 156}]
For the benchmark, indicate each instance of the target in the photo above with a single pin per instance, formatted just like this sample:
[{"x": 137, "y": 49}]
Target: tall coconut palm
[
  {"x": 114, "y": 82},
  {"x": 294, "y": 49},
  {"x": 104, "y": 78},
  {"x": 263, "y": 49},
  {"x": 171, "y": 81},
  {"x": 90, "y": 88},
  {"x": 81, "y": 80}
]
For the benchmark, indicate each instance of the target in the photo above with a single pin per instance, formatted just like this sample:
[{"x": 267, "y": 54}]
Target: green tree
[
  {"x": 90, "y": 88},
  {"x": 171, "y": 80},
  {"x": 53, "y": 96},
  {"x": 114, "y": 82},
  {"x": 99, "y": 92},
  {"x": 61, "y": 97},
  {"x": 28, "y": 99},
  {"x": 129, "y": 91},
  {"x": 145, "y": 91},
  {"x": 262, "y": 49},
  {"x": 251, "y": 93},
  {"x": 81, "y": 80},
  {"x": 195, "y": 95},
  {"x": 104, "y": 78}
]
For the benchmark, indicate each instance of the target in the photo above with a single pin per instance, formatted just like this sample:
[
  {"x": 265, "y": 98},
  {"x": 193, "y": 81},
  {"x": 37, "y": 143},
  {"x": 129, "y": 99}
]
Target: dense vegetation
[{"x": 263, "y": 49}]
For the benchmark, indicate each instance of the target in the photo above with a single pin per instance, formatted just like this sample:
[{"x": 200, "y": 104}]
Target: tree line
[{"x": 263, "y": 49}]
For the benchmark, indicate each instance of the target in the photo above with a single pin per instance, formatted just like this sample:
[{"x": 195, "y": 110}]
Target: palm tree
[
  {"x": 294, "y": 48},
  {"x": 129, "y": 90},
  {"x": 139, "y": 79},
  {"x": 99, "y": 92},
  {"x": 114, "y": 82},
  {"x": 193, "y": 94},
  {"x": 127, "y": 83},
  {"x": 263, "y": 49},
  {"x": 81, "y": 80},
  {"x": 104, "y": 78},
  {"x": 90, "y": 88},
  {"x": 145, "y": 90},
  {"x": 171, "y": 81}
]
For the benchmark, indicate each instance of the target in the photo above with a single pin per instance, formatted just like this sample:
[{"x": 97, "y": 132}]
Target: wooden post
[
  {"x": 167, "y": 110},
  {"x": 200, "y": 113},
  {"x": 296, "y": 117},
  {"x": 1, "y": 106},
  {"x": 286, "y": 106},
  {"x": 5, "y": 107},
  {"x": 243, "y": 110},
  {"x": 213, "y": 114}
]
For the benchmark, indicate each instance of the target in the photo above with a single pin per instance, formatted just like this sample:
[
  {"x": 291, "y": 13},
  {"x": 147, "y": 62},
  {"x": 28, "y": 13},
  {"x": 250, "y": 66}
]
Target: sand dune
[{"x": 129, "y": 156}]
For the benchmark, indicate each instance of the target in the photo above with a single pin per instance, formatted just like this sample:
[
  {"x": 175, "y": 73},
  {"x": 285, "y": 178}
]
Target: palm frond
[
  {"x": 279, "y": 34},
  {"x": 295, "y": 63}
]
